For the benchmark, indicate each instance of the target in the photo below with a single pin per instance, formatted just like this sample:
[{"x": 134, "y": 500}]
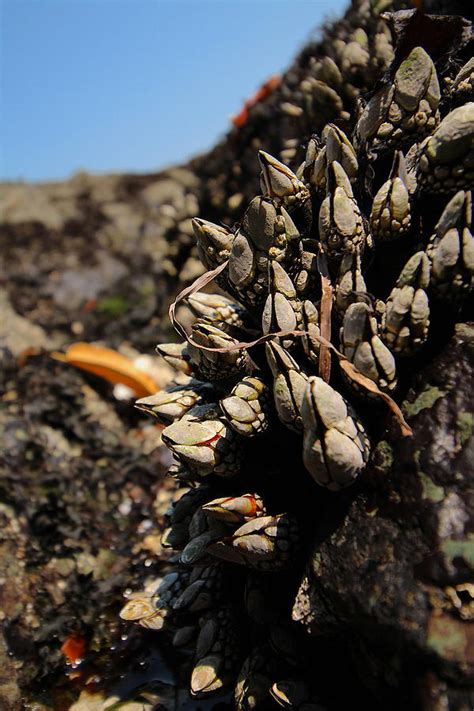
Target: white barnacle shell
[
  {"x": 216, "y": 365},
  {"x": 204, "y": 442},
  {"x": 340, "y": 223},
  {"x": 350, "y": 286},
  {"x": 174, "y": 401},
  {"x": 406, "y": 318},
  {"x": 390, "y": 217},
  {"x": 446, "y": 163},
  {"x": 340, "y": 149},
  {"x": 451, "y": 250},
  {"x": 217, "y": 651},
  {"x": 289, "y": 383},
  {"x": 279, "y": 181},
  {"x": 246, "y": 408},
  {"x": 282, "y": 309},
  {"x": 267, "y": 542},
  {"x": 235, "y": 509},
  {"x": 407, "y": 315},
  {"x": 214, "y": 242},
  {"x": 415, "y": 80},
  {"x": 335, "y": 445},
  {"x": 361, "y": 344}
]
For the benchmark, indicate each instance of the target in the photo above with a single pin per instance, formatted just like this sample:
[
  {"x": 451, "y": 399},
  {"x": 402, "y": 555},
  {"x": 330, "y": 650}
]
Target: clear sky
[{"x": 106, "y": 85}]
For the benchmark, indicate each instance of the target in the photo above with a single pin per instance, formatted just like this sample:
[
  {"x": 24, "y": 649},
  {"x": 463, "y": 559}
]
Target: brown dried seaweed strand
[
  {"x": 349, "y": 369},
  {"x": 197, "y": 284},
  {"x": 325, "y": 323}
]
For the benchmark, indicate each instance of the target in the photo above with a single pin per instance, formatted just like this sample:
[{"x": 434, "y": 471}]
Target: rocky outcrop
[
  {"x": 93, "y": 257},
  {"x": 394, "y": 580}
]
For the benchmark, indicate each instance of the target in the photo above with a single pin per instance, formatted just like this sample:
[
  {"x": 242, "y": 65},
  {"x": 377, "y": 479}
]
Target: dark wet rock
[
  {"x": 77, "y": 521},
  {"x": 394, "y": 581}
]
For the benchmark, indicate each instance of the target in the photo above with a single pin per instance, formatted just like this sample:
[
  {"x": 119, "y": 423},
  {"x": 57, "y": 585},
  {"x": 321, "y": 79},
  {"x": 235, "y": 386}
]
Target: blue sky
[{"x": 134, "y": 85}]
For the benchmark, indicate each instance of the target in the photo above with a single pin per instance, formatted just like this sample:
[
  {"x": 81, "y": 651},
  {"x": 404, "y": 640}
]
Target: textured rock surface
[
  {"x": 96, "y": 256},
  {"x": 76, "y": 492},
  {"x": 396, "y": 576}
]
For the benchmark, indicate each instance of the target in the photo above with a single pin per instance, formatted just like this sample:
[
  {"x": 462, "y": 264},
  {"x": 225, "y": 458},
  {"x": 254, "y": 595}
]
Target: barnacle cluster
[{"x": 314, "y": 336}]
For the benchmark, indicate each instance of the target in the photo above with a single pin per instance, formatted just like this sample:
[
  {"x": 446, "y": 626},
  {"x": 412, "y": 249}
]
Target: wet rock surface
[
  {"x": 78, "y": 480},
  {"x": 394, "y": 581}
]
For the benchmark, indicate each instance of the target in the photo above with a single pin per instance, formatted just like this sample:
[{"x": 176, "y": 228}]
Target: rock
[
  {"x": 17, "y": 333},
  {"x": 394, "y": 580},
  {"x": 83, "y": 252},
  {"x": 21, "y": 203},
  {"x": 68, "y": 461},
  {"x": 76, "y": 286}
]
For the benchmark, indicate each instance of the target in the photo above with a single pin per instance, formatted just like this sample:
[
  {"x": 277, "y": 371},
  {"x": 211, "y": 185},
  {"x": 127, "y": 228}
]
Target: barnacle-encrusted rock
[
  {"x": 390, "y": 588},
  {"x": 327, "y": 308},
  {"x": 404, "y": 110},
  {"x": 420, "y": 584},
  {"x": 217, "y": 652}
]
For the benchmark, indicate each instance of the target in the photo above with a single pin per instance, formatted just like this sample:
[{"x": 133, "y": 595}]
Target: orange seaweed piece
[
  {"x": 262, "y": 92},
  {"x": 109, "y": 365},
  {"x": 241, "y": 118},
  {"x": 74, "y": 648}
]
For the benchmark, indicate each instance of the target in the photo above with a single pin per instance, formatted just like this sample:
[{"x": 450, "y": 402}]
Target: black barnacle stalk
[{"x": 385, "y": 186}]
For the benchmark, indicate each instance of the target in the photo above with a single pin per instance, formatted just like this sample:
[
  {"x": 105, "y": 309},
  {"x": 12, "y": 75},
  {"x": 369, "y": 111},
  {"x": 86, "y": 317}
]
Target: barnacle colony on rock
[{"x": 384, "y": 188}]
